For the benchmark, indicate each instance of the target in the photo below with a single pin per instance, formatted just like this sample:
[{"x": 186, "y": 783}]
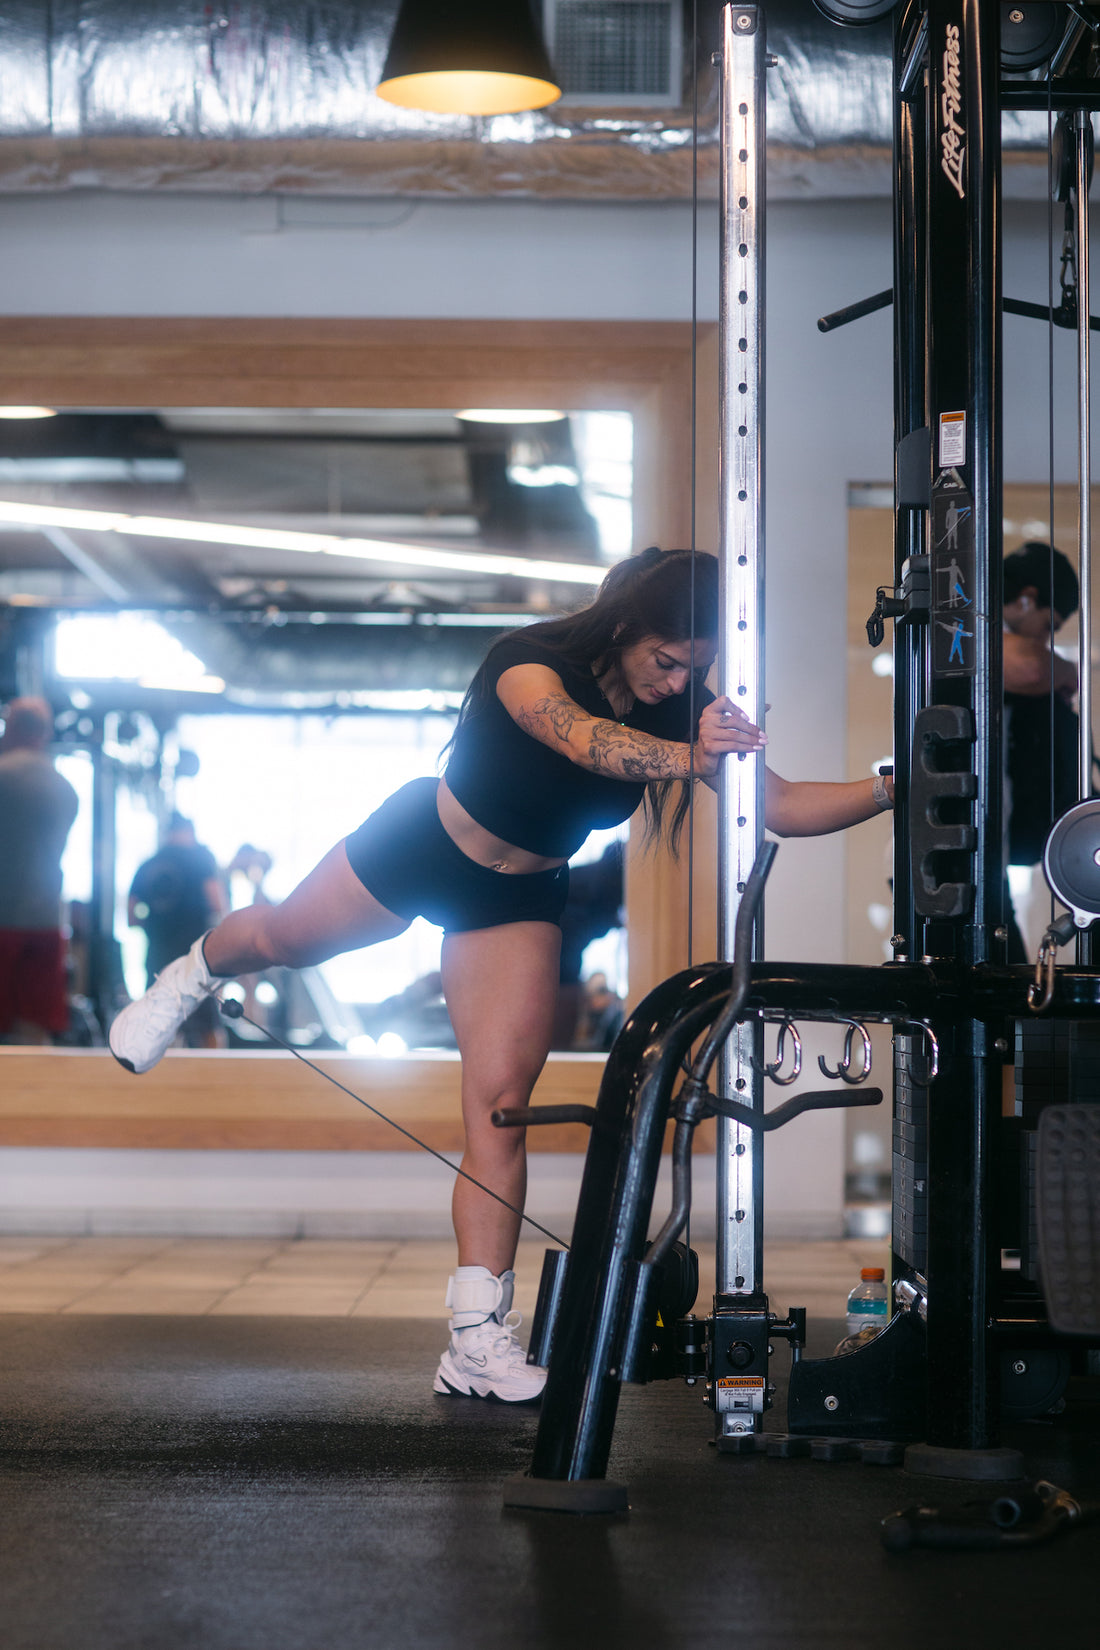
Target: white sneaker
[
  {"x": 486, "y": 1361},
  {"x": 141, "y": 1033}
]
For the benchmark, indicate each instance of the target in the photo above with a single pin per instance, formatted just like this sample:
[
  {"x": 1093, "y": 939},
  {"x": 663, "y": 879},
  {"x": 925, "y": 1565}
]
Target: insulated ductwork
[{"x": 280, "y": 97}]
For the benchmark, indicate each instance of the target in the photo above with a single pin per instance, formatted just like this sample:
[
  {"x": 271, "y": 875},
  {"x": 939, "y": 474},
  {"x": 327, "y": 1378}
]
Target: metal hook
[
  {"x": 933, "y": 1068},
  {"x": 843, "y": 1070},
  {"x": 774, "y": 1068}
]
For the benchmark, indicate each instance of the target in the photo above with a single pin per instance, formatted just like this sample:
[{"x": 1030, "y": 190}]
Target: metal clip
[
  {"x": 843, "y": 1070},
  {"x": 773, "y": 1069}
]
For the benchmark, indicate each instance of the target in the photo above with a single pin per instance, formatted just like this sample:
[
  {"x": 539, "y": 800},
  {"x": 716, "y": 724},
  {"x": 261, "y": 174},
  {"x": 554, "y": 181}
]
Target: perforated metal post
[
  {"x": 741, "y": 650},
  {"x": 1083, "y": 134}
]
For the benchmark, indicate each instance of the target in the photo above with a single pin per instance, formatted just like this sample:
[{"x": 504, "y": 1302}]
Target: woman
[{"x": 567, "y": 727}]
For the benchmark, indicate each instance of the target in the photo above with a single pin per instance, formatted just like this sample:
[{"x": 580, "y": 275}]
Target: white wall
[
  {"x": 829, "y": 397},
  {"x": 98, "y": 1192}
]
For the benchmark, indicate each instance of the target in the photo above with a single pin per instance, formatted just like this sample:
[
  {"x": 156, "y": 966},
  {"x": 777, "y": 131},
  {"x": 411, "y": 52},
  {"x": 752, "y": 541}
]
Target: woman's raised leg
[
  {"x": 501, "y": 986},
  {"x": 329, "y": 912}
]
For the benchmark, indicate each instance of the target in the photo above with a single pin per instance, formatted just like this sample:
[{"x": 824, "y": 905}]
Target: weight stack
[
  {"x": 910, "y": 1157},
  {"x": 1057, "y": 1064}
]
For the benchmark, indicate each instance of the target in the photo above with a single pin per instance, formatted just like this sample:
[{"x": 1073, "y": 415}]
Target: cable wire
[
  {"x": 694, "y": 488},
  {"x": 1050, "y": 422},
  {"x": 694, "y": 465},
  {"x": 232, "y": 1010}
]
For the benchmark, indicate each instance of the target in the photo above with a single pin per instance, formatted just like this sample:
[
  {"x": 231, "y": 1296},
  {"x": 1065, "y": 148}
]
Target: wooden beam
[{"x": 267, "y": 1101}]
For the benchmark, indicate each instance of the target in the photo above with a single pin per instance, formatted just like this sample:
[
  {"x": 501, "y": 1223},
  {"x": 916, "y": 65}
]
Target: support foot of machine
[
  {"x": 570, "y": 1495},
  {"x": 976, "y": 1465}
]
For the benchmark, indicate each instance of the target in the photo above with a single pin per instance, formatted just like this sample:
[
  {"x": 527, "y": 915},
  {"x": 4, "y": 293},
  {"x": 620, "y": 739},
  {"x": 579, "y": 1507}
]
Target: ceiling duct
[{"x": 281, "y": 98}]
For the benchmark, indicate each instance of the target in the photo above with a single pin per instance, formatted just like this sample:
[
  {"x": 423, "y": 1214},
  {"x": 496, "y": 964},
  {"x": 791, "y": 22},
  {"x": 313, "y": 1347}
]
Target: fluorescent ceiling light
[
  {"x": 27, "y": 412},
  {"x": 510, "y": 415},
  {"x": 274, "y": 538}
]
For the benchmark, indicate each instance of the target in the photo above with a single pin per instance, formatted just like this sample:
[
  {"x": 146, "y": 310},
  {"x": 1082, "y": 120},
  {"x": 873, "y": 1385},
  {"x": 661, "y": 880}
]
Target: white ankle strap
[{"x": 474, "y": 1295}]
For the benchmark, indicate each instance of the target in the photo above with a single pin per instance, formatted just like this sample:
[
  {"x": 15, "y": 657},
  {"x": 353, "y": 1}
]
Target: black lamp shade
[{"x": 468, "y": 57}]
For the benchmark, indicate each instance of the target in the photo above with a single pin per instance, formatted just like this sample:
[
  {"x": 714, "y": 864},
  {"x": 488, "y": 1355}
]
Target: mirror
[
  {"x": 288, "y": 369},
  {"x": 263, "y": 621}
]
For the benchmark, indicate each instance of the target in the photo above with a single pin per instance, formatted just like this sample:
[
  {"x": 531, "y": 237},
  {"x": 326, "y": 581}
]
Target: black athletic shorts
[{"x": 404, "y": 857}]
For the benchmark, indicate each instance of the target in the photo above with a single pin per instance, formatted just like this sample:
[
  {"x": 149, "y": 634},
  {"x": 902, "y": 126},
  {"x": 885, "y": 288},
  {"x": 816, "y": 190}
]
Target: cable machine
[{"x": 969, "y": 1183}]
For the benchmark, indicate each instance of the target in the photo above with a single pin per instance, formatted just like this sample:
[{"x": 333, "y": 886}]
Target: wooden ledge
[{"x": 267, "y": 1100}]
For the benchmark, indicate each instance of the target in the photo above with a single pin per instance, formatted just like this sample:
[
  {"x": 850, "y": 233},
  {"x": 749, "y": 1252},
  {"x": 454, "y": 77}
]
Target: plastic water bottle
[{"x": 868, "y": 1301}]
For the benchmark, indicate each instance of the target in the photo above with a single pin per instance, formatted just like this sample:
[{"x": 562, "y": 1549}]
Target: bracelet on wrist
[{"x": 880, "y": 795}]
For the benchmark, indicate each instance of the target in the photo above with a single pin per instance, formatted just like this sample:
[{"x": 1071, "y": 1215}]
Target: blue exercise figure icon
[{"x": 957, "y": 635}]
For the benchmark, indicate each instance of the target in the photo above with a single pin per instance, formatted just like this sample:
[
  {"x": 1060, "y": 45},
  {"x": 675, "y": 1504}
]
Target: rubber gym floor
[{"x": 291, "y": 1483}]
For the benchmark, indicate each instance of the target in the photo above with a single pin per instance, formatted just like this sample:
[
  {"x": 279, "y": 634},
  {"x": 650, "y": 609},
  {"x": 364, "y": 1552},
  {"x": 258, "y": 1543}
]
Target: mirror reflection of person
[
  {"x": 601, "y": 1016},
  {"x": 175, "y": 897},
  {"x": 568, "y": 726},
  {"x": 594, "y": 908},
  {"x": 37, "y": 810},
  {"x": 1041, "y": 730}
]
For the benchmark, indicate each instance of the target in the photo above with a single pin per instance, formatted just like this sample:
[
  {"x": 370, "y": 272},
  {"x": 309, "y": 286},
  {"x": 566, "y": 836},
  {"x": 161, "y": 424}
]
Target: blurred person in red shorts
[{"x": 37, "y": 809}]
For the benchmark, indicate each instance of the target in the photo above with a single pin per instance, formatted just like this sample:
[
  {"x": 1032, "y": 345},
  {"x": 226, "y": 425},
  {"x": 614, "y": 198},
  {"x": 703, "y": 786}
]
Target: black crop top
[{"x": 527, "y": 794}]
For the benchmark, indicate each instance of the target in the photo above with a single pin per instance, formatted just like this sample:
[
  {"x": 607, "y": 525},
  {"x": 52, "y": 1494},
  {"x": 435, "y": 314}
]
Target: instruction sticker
[
  {"x": 955, "y": 619},
  {"x": 952, "y": 439}
]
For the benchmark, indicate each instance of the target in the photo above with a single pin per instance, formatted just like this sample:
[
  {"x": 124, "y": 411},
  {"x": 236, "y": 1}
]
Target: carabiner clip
[{"x": 1040, "y": 993}]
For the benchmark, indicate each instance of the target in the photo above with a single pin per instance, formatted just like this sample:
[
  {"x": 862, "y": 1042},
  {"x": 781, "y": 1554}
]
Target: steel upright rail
[{"x": 739, "y": 1268}]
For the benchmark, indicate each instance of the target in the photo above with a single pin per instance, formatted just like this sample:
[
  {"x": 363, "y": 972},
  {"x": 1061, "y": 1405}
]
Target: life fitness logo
[{"x": 953, "y": 133}]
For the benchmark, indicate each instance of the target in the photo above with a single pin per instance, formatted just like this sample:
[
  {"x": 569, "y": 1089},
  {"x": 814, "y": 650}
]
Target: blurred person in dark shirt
[
  {"x": 176, "y": 896},
  {"x": 37, "y": 809}
]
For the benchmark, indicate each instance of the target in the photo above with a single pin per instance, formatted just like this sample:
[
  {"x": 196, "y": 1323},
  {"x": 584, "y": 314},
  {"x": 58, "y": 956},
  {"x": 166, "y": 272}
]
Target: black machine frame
[{"x": 964, "y": 1172}]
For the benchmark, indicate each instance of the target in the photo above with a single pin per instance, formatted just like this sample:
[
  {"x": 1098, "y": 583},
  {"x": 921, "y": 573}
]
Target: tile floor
[{"x": 312, "y": 1277}]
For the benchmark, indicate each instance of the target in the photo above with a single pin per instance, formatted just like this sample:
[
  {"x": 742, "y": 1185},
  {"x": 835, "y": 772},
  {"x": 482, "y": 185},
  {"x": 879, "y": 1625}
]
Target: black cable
[
  {"x": 1050, "y": 423},
  {"x": 694, "y": 488},
  {"x": 232, "y": 1010},
  {"x": 694, "y": 466}
]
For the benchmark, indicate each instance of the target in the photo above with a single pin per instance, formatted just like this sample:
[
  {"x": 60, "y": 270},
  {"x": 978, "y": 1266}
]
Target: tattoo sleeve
[{"x": 601, "y": 745}]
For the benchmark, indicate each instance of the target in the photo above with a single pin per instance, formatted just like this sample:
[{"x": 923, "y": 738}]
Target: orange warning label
[{"x": 728, "y": 1381}]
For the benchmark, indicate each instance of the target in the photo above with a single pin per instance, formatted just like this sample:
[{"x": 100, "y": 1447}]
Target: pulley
[
  {"x": 1030, "y": 35},
  {"x": 1063, "y": 165},
  {"x": 1071, "y": 861},
  {"x": 854, "y": 11}
]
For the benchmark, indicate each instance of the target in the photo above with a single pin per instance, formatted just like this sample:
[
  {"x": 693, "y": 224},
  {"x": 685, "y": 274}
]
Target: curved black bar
[
  {"x": 620, "y": 1173},
  {"x": 741, "y": 971},
  {"x": 682, "y": 1142},
  {"x": 818, "y": 1100}
]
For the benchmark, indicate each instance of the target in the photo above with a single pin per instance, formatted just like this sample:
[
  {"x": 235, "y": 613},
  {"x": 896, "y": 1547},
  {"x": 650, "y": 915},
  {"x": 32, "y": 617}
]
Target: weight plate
[{"x": 1070, "y": 861}]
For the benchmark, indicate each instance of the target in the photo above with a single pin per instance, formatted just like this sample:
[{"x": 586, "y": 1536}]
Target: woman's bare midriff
[{"x": 481, "y": 845}]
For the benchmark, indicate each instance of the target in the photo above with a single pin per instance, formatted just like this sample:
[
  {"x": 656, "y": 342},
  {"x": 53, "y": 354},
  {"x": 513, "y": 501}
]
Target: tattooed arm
[{"x": 534, "y": 697}]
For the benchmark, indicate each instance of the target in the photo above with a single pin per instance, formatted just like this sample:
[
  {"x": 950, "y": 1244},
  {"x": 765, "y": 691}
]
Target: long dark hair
[{"x": 672, "y": 594}]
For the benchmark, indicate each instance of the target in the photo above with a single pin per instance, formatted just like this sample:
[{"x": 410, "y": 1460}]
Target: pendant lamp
[{"x": 468, "y": 57}]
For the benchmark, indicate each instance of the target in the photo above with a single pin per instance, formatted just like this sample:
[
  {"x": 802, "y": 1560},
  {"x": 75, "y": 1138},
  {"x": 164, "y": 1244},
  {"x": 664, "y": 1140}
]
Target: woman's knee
[
  {"x": 281, "y": 943},
  {"x": 501, "y": 1150}
]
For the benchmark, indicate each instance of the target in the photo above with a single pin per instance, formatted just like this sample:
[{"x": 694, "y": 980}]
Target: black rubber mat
[
  {"x": 1069, "y": 1216},
  {"x": 292, "y": 1484}
]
